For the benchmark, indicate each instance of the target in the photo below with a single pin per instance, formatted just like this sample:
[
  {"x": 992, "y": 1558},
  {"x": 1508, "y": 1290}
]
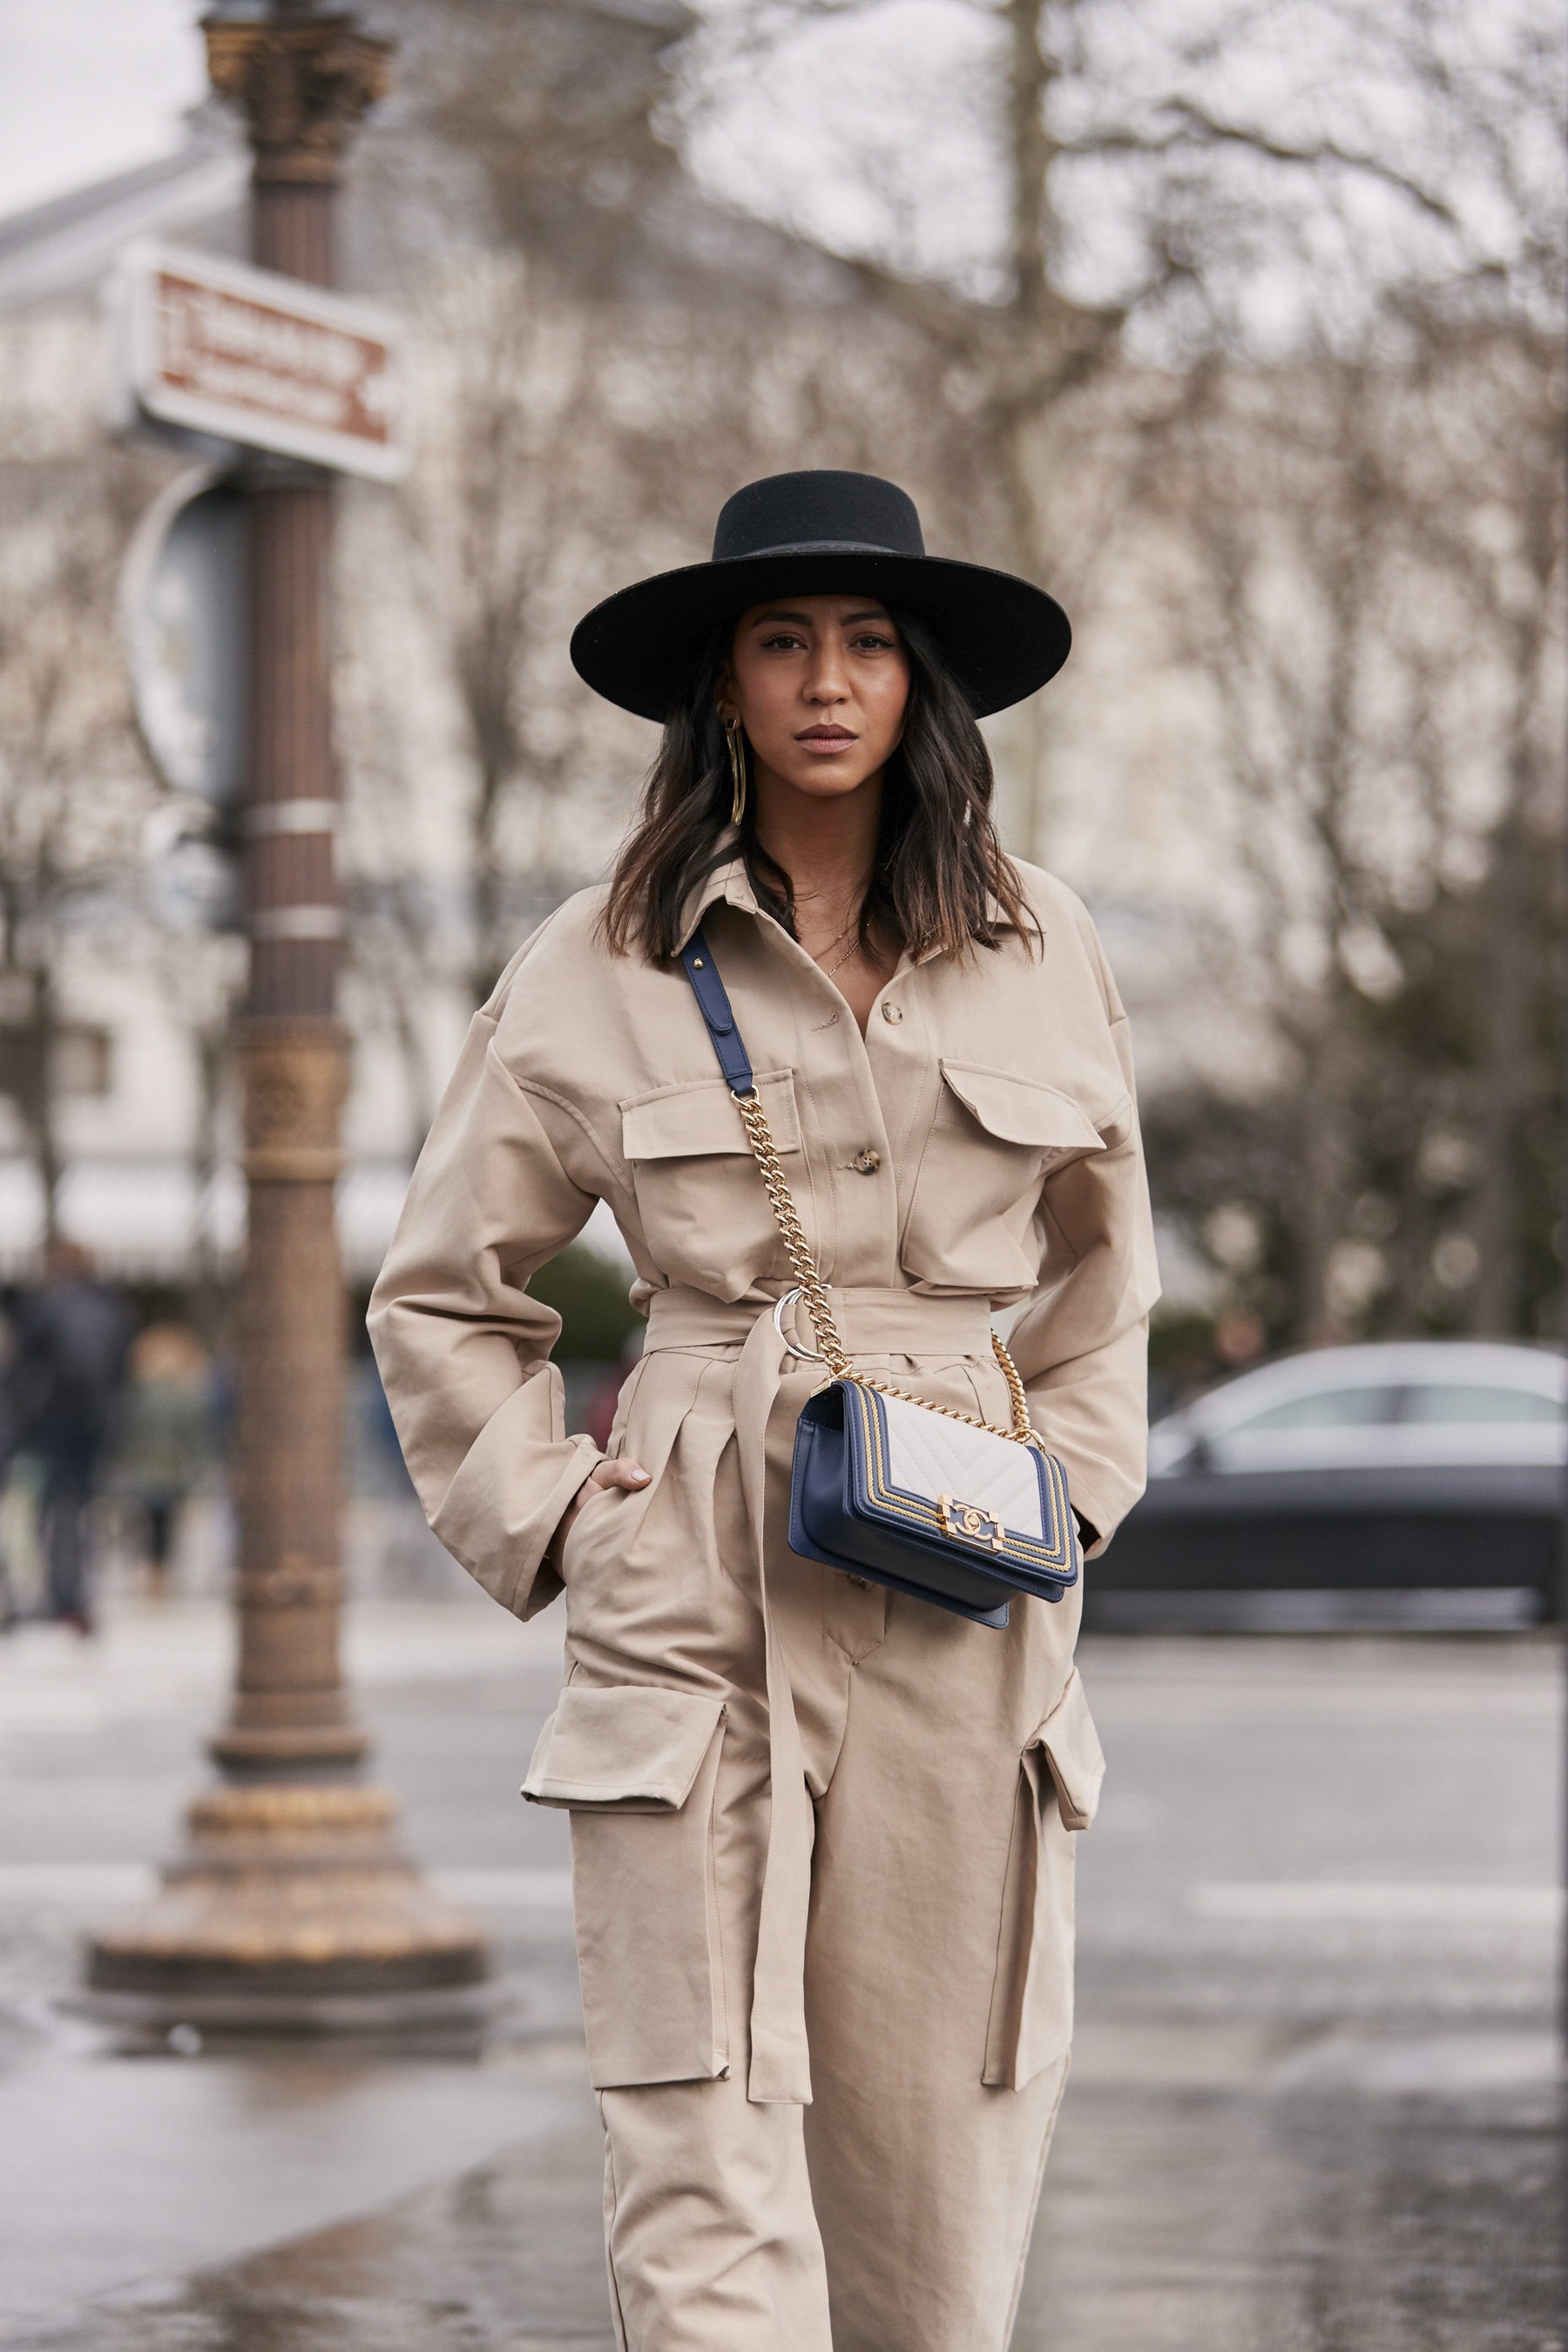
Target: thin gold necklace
[{"x": 851, "y": 932}]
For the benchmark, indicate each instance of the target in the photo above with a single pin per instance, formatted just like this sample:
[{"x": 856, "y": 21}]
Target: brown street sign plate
[{"x": 249, "y": 356}]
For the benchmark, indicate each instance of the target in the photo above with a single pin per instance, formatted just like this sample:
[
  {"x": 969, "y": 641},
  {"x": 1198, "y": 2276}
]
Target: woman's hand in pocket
[{"x": 629, "y": 1476}]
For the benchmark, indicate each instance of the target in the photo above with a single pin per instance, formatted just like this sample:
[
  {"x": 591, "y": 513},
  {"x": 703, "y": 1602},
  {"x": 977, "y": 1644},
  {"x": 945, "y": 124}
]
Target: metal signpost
[{"x": 293, "y": 1903}]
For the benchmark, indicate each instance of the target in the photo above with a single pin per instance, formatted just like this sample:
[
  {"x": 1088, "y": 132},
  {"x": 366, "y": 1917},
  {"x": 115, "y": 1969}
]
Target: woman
[{"x": 822, "y": 1833}]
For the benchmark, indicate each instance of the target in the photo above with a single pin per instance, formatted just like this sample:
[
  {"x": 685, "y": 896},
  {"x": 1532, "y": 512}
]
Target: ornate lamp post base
[{"x": 290, "y": 1908}]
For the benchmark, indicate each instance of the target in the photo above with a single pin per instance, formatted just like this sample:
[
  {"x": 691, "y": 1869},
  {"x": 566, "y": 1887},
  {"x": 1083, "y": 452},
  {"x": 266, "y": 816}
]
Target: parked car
[{"x": 1404, "y": 1467}]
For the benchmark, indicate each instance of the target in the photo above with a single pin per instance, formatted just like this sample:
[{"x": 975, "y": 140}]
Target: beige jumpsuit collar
[{"x": 731, "y": 886}]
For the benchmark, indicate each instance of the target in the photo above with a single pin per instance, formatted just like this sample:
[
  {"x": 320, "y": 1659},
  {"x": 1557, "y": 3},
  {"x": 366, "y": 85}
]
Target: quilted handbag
[{"x": 886, "y": 1486}]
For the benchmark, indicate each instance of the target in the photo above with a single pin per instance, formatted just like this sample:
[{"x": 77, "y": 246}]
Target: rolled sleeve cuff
[{"x": 500, "y": 1511}]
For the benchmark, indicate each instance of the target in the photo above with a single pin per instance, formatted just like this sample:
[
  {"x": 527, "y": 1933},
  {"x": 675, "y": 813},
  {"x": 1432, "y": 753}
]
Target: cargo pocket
[
  {"x": 993, "y": 1140},
  {"x": 636, "y": 1768},
  {"x": 704, "y": 1213},
  {"x": 1060, "y": 1775}
]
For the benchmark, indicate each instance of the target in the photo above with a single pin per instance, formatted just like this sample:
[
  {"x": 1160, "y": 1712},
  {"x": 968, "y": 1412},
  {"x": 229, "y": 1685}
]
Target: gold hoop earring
[{"x": 735, "y": 743}]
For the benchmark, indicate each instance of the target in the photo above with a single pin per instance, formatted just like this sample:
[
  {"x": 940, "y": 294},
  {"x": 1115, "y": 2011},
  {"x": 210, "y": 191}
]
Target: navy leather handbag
[{"x": 886, "y": 1486}]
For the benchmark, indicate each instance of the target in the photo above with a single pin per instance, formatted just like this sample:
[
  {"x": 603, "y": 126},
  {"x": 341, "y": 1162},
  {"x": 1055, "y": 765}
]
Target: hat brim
[{"x": 1004, "y": 637}]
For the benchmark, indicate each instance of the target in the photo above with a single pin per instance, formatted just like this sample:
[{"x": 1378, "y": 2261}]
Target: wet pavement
[
  {"x": 1314, "y": 2100},
  {"x": 506, "y": 2252}
]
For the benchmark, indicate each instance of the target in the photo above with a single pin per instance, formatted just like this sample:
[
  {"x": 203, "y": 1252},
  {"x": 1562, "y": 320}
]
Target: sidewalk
[{"x": 1314, "y": 2102}]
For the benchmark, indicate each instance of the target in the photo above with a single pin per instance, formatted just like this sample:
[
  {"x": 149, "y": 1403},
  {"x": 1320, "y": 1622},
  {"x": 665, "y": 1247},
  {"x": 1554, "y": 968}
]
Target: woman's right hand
[{"x": 629, "y": 1476}]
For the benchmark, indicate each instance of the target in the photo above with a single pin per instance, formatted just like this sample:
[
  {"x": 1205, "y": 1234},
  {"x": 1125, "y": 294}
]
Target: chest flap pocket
[
  {"x": 994, "y": 1139},
  {"x": 700, "y": 1194}
]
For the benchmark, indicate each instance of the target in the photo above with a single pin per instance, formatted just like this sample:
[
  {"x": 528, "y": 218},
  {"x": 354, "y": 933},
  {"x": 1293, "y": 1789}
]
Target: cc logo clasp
[{"x": 970, "y": 1521}]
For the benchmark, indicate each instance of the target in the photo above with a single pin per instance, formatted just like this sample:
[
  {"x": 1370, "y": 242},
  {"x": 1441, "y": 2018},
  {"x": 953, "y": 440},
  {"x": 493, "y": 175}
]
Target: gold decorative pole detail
[{"x": 293, "y": 1902}]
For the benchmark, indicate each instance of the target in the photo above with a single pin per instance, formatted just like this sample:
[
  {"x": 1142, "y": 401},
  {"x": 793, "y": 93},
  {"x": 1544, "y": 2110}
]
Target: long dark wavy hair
[{"x": 940, "y": 870}]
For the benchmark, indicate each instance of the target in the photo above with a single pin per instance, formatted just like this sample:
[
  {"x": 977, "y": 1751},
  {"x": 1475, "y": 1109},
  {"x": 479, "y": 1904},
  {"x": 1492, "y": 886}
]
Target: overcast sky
[{"x": 91, "y": 87}]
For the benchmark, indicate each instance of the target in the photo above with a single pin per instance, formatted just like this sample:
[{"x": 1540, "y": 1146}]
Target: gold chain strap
[{"x": 803, "y": 1266}]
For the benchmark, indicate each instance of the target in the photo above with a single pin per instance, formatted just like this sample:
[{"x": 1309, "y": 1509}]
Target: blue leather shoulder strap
[{"x": 713, "y": 1003}]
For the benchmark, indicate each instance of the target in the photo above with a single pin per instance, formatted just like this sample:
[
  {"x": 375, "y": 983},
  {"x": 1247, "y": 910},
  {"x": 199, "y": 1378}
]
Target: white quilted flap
[{"x": 931, "y": 1455}]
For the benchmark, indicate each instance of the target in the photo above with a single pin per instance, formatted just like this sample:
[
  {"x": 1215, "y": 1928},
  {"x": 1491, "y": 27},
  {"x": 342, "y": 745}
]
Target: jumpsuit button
[
  {"x": 892, "y": 1012},
  {"x": 868, "y": 1162},
  {"x": 861, "y": 1583}
]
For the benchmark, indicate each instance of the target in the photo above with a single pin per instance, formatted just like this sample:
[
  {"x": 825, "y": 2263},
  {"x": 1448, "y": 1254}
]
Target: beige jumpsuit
[{"x": 822, "y": 1835}]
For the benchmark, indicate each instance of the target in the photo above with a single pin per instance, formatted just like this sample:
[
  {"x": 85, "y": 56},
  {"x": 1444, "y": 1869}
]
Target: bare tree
[
  {"x": 73, "y": 793},
  {"x": 1170, "y": 184},
  {"x": 532, "y": 128},
  {"x": 1506, "y": 541},
  {"x": 1367, "y": 562}
]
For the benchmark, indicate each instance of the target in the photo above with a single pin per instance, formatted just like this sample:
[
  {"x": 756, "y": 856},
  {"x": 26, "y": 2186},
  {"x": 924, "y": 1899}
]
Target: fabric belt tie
[{"x": 874, "y": 1324}]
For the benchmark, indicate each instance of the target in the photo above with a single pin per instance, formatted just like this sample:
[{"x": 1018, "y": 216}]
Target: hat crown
[{"x": 819, "y": 508}]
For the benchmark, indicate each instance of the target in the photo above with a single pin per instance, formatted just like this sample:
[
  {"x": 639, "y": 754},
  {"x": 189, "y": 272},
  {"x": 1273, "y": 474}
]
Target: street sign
[
  {"x": 249, "y": 356},
  {"x": 183, "y": 605},
  {"x": 183, "y": 599}
]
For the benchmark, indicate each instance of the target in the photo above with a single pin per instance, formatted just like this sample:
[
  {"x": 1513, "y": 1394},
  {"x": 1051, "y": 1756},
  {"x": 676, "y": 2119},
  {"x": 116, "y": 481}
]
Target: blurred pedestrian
[
  {"x": 166, "y": 1436},
  {"x": 822, "y": 1829},
  {"x": 71, "y": 1339}
]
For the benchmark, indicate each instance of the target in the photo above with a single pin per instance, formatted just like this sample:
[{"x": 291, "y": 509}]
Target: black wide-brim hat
[{"x": 821, "y": 534}]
